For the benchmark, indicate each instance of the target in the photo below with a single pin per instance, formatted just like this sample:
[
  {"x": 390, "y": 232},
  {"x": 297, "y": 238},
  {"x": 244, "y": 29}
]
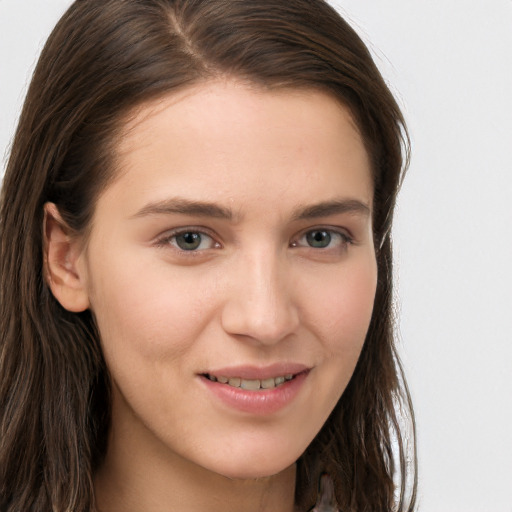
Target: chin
[
  {"x": 253, "y": 470},
  {"x": 251, "y": 474}
]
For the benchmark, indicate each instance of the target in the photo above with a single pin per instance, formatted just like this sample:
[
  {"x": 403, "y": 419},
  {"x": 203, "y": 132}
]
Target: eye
[
  {"x": 189, "y": 241},
  {"x": 323, "y": 239},
  {"x": 318, "y": 239}
]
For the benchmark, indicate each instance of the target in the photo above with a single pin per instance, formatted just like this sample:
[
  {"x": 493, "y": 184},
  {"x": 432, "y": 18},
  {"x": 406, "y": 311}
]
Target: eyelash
[
  {"x": 169, "y": 239},
  {"x": 343, "y": 238}
]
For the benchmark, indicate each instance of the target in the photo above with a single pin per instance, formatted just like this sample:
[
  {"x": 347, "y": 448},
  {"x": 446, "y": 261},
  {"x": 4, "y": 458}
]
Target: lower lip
[{"x": 262, "y": 402}]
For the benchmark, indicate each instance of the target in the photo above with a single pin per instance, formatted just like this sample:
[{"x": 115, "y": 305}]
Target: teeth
[
  {"x": 235, "y": 382},
  {"x": 251, "y": 384},
  {"x": 268, "y": 383}
]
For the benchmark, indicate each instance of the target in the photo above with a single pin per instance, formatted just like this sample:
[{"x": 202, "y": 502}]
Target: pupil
[
  {"x": 319, "y": 239},
  {"x": 188, "y": 241}
]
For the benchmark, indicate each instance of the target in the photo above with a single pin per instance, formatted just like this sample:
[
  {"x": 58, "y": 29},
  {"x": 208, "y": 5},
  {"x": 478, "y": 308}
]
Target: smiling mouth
[{"x": 251, "y": 384}]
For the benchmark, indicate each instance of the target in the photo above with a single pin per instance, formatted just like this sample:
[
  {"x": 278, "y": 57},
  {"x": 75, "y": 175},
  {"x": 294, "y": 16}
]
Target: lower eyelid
[
  {"x": 345, "y": 239},
  {"x": 169, "y": 239}
]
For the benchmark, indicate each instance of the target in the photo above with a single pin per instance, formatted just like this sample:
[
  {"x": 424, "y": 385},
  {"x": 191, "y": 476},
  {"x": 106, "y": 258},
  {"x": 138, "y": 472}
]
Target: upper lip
[{"x": 250, "y": 372}]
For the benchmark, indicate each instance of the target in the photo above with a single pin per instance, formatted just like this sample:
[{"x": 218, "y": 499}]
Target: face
[{"x": 232, "y": 273}]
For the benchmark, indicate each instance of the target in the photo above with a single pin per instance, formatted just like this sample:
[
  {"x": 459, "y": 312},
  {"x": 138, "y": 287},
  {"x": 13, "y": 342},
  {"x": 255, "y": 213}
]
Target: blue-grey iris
[
  {"x": 318, "y": 239},
  {"x": 188, "y": 241}
]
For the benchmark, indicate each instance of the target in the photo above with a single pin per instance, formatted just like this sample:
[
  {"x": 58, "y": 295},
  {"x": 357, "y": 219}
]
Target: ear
[{"x": 64, "y": 267}]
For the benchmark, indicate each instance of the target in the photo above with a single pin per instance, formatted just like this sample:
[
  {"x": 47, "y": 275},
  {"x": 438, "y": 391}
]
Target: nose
[{"x": 260, "y": 303}]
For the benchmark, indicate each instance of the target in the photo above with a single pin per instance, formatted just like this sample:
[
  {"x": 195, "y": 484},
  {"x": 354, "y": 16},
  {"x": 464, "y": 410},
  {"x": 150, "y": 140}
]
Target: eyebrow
[
  {"x": 185, "y": 207},
  {"x": 334, "y": 207},
  {"x": 206, "y": 209}
]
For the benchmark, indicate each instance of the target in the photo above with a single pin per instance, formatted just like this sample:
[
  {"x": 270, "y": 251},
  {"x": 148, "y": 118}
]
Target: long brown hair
[{"x": 103, "y": 59}]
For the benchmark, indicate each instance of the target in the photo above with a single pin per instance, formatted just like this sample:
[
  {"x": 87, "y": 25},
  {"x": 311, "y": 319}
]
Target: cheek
[
  {"x": 339, "y": 315},
  {"x": 146, "y": 310},
  {"x": 341, "y": 310}
]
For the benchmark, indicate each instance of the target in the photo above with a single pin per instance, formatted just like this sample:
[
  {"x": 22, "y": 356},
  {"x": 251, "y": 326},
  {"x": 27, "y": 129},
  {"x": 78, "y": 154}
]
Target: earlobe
[{"x": 63, "y": 267}]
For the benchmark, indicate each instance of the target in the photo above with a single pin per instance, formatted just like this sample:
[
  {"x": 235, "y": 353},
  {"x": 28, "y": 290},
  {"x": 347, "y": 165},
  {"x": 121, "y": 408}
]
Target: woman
[{"x": 196, "y": 266}]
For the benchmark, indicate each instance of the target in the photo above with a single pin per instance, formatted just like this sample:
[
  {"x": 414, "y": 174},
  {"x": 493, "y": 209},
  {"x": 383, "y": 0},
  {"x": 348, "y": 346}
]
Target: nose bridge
[{"x": 261, "y": 302}]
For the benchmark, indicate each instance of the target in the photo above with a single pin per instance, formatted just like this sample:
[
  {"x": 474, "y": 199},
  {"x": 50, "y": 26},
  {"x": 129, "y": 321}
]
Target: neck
[
  {"x": 127, "y": 489},
  {"x": 148, "y": 477}
]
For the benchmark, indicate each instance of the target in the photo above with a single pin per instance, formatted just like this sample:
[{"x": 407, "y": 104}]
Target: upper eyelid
[
  {"x": 345, "y": 239},
  {"x": 170, "y": 233},
  {"x": 164, "y": 241},
  {"x": 331, "y": 229}
]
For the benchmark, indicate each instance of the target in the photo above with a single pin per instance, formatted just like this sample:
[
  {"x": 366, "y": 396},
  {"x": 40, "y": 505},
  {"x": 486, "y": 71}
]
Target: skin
[{"x": 254, "y": 292}]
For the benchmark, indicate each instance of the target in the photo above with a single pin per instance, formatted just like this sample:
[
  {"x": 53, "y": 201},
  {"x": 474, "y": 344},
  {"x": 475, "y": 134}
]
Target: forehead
[
  {"x": 207, "y": 105},
  {"x": 227, "y": 141}
]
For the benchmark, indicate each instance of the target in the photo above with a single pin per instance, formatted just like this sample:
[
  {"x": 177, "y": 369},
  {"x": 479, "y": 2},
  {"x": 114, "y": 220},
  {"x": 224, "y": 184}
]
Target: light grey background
[{"x": 450, "y": 64}]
